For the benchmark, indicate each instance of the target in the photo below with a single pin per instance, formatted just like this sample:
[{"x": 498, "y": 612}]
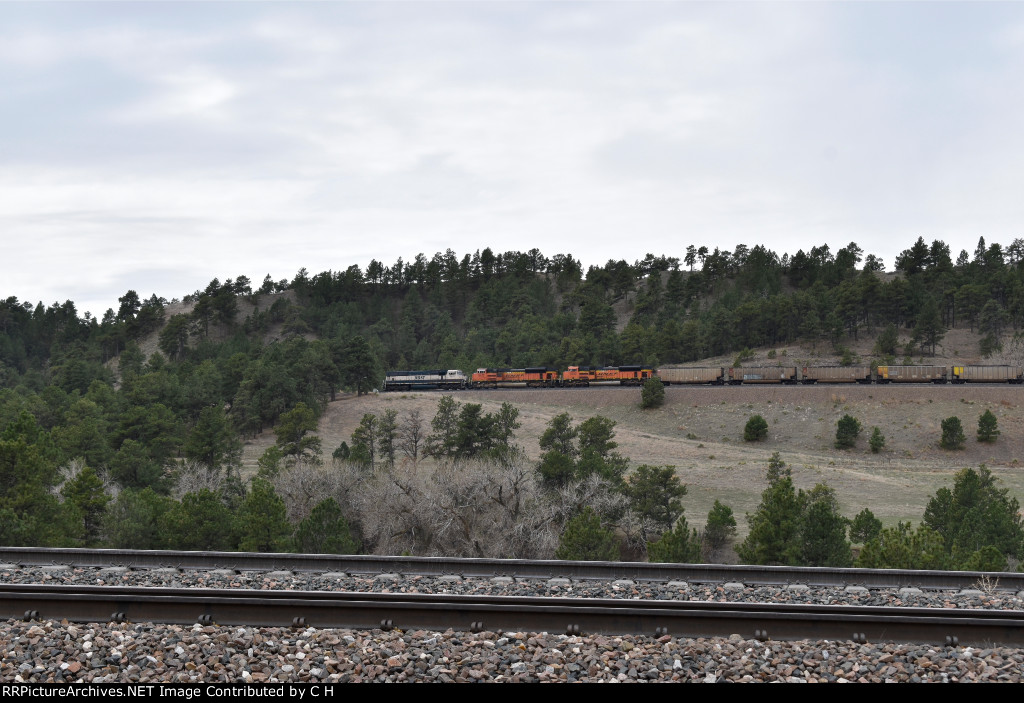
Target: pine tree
[
  {"x": 655, "y": 494},
  {"x": 293, "y": 436},
  {"x": 929, "y": 324},
  {"x": 680, "y": 545},
  {"x": 865, "y": 527},
  {"x": 560, "y": 435},
  {"x": 976, "y": 513},
  {"x": 988, "y": 427},
  {"x": 899, "y": 548},
  {"x": 774, "y": 526},
  {"x": 847, "y": 430},
  {"x": 85, "y": 493},
  {"x": 652, "y": 395},
  {"x": 756, "y": 429},
  {"x": 719, "y": 529},
  {"x": 952, "y": 434},
  {"x": 200, "y": 522},
  {"x": 822, "y": 536},
  {"x": 262, "y": 520},
  {"x": 326, "y": 531},
  {"x": 877, "y": 441},
  {"x": 443, "y": 438},
  {"x": 585, "y": 540},
  {"x": 364, "y": 442}
]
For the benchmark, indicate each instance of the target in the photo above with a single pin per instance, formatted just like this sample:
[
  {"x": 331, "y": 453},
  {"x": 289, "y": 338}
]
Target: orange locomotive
[
  {"x": 533, "y": 377},
  {"x": 623, "y": 375}
]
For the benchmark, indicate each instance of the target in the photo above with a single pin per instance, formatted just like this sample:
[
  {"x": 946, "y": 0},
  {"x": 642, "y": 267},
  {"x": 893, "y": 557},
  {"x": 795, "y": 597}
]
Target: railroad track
[
  {"x": 518, "y": 568},
  {"x": 470, "y": 613}
]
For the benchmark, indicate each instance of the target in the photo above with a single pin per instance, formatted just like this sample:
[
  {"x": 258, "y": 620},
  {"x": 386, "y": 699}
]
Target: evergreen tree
[
  {"x": 358, "y": 367},
  {"x": 200, "y": 522},
  {"x": 585, "y": 540},
  {"x": 756, "y": 429},
  {"x": 560, "y": 436},
  {"x": 987, "y": 558},
  {"x": 988, "y": 427},
  {"x": 326, "y": 531},
  {"x": 719, "y": 529},
  {"x": 503, "y": 430},
  {"x": 823, "y": 530},
  {"x": 132, "y": 520},
  {"x": 680, "y": 545},
  {"x": 865, "y": 527},
  {"x": 929, "y": 324},
  {"x": 270, "y": 463},
  {"x": 655, "y": 494},
  {"x": 594, "y": 438},
  {"x": 131, "y": 361},
  {"x": 899, "y": 548},
  {"x": 952, "y": 434},
  {"x": 888, "y": 341},
  {"x": 847, "y": 430},
  {"x": 652, "y": 395},
  {"x": 774, "y": 526},
  {"x": 556, "y": 470},
  {"x": 443, "y": 438},
  {"x": 133, "y": 467},
  {"x": 262, "y": 521},
  {"x": 364, "y": 442},
  {"x": 293, "y": 436},
  {"x": 475, "y": 432},
  {"x": 877, "y": 441},
  {"x": 85, "y": 494},
  {"x": 212, "y": 441},
  {"x": 976, "y": 513},
  {"x": 387, "y": 437},
  {"x": 342, "y": 453}
]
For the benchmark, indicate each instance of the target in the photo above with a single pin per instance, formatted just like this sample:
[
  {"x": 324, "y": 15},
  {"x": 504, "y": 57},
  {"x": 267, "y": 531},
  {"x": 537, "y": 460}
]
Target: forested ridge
[{"x": 91, "y": 422}]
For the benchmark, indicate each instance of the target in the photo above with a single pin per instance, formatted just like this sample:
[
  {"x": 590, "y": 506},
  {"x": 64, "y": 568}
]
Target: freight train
[{"x": 635, "y": 375}]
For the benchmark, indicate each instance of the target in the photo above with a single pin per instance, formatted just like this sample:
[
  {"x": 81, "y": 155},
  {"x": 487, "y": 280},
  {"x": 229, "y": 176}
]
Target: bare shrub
[
  {"x": 412, "y": 435},
  {"x": 987, "y": 585},
  {"x": 491, "y": 509},
  {"x": 71, "y": 470},
  {"x": 194, "y": 476},
  {"x": 390, "y": 506},
  {"x": 305, "y": 486}
]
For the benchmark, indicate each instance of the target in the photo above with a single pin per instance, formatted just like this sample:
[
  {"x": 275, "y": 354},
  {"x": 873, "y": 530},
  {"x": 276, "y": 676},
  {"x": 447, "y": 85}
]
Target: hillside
[
  {"x": 699, "y": 430},
  {"x": 132, "y": 399}
]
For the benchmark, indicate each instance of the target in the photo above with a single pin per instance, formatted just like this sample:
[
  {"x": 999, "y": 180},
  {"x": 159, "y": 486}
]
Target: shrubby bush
[{"x": 756, "y": 429}]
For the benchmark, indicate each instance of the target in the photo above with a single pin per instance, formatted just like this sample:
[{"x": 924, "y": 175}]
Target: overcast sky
[{"x": 154, "y": 146}]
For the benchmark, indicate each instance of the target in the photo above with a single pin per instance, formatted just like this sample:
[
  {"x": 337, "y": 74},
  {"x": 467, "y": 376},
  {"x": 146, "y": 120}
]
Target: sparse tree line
[
  {"x": 848, "y": 429},
  {"x": 975, "y": 526}
]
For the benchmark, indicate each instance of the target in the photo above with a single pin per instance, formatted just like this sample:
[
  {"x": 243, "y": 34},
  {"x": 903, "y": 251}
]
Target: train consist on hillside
[{"x": 635, "y": 375}]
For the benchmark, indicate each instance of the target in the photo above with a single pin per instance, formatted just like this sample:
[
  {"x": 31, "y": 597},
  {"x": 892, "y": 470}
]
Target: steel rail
[
  {"x": 519, "y": 568},
  {"x": 505, "y": 613}
]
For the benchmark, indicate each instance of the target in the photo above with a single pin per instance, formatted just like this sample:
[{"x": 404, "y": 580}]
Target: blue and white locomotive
[{"x": 452, "y": 379}]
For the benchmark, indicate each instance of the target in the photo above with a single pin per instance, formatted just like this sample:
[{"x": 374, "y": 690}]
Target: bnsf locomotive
[{"x": 635, "y": 375}]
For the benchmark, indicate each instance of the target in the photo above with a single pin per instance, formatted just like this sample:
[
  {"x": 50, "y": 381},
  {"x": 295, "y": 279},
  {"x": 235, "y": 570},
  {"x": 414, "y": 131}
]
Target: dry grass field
[{"x": 700, "y": 432}]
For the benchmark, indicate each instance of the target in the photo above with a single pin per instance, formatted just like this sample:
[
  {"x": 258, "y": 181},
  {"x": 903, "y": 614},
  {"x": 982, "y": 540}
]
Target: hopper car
[{"x": 637, "y": 374}]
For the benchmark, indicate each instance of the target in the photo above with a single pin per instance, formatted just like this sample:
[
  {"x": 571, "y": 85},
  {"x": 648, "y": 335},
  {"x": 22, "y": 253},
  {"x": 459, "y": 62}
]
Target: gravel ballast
[
  {"x": 61, "y": 652},
  {"x": 990, "y": 598},
  {"x": 49, "y": 651}
]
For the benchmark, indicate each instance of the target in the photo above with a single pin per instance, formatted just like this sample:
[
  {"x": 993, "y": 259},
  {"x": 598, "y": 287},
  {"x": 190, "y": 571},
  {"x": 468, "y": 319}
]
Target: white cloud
[{"x": 214, "y": 140}]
